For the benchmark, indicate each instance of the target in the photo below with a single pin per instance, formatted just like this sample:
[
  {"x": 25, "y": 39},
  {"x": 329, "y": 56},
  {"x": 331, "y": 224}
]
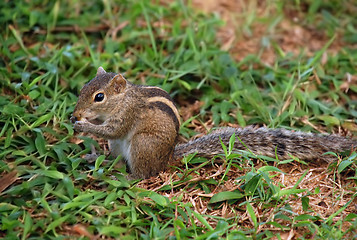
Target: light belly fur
[{"x": 121, "y": 147}]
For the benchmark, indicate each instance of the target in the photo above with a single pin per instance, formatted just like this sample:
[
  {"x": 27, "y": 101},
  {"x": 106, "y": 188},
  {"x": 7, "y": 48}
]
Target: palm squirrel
[{"x": 142, "y": 124}]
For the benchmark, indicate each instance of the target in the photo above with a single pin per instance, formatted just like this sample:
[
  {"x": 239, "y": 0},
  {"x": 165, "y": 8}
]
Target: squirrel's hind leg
[{"x": 150, "y": 156}]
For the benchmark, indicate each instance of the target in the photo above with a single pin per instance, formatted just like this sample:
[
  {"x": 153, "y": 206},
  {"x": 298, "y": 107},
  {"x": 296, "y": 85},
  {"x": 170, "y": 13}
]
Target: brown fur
[
  {"x": 144, "y": 132},
  {"x": 279, "y": 143},
  {"x": 141, "y": 123}
]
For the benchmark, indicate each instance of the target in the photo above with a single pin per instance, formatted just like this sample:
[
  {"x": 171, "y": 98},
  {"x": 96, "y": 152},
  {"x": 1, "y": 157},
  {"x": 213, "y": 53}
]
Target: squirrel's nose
[{"x": 73, "y": 119}]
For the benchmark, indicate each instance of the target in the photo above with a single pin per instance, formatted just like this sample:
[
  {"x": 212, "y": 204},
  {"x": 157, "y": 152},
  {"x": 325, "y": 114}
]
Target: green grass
[{"x": 45, "y": 60}]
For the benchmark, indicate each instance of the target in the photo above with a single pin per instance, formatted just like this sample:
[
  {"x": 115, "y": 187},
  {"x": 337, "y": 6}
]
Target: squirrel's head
[{"x": 98, "y": 97}]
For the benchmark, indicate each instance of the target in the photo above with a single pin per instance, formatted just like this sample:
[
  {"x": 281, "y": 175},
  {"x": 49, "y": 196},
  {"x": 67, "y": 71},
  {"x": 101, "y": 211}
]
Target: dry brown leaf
[
  {"x": 7, "y": 179},
  {"x": 82, "y": 231},
  {"x": 350, "y": 80}
]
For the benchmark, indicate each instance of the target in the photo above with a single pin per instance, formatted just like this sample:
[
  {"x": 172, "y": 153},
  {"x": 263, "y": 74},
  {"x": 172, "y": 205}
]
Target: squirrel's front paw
[{"x": 80, "y": 126}]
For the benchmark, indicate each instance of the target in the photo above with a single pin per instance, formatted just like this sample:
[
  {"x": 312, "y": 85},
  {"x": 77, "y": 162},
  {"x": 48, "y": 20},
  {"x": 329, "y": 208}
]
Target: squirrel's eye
[{"x": 99, "y": 97}]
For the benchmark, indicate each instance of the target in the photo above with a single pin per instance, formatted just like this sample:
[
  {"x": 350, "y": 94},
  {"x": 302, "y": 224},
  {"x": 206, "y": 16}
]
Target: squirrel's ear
[
  {"x": 100, "y": 71},
  {"x": 118, "y": 83}
]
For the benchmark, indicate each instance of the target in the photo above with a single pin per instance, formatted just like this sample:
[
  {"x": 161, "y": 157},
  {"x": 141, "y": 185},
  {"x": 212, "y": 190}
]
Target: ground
[
  {"x": 225, "y": 63},
  {"x": 241, "y": 38}
]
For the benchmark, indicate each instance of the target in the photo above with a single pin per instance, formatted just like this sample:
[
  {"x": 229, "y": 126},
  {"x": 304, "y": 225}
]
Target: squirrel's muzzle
[{"x": 75, "y": 119}]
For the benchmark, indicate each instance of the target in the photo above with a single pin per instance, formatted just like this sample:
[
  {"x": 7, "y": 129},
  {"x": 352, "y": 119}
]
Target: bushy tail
[{"x": 269, "y": 142}]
